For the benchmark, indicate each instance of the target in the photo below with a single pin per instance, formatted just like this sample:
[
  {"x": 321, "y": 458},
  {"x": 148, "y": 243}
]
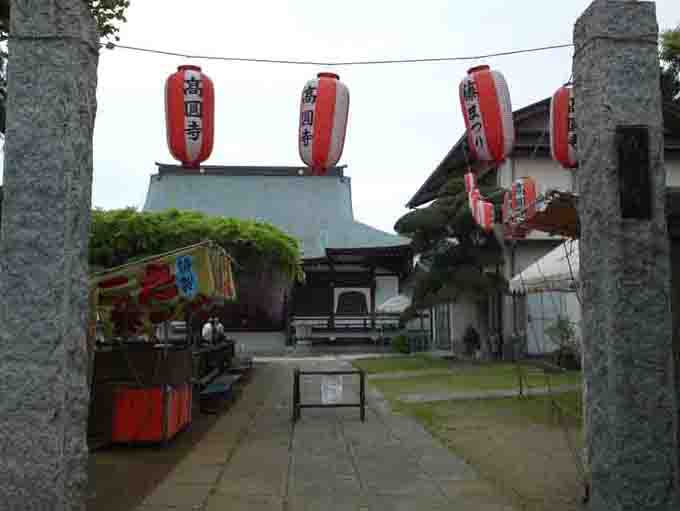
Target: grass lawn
[
  {"x": 526, "y": 411},
  {"x": 519, "y": 445},
  {"x": 398, "y": 364},
  {"x": 526, "y": 447},
  {"x": 475, "y": 377}
]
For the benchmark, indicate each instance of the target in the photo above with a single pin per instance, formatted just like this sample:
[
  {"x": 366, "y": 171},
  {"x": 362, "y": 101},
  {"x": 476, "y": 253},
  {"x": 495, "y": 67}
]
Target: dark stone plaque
[{"x": 632, "y": 145}]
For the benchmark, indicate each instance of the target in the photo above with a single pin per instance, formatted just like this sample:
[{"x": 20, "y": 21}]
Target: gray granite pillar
[
  {"x": 625, "y": 265},
  {"x": 43, "y": 255}
]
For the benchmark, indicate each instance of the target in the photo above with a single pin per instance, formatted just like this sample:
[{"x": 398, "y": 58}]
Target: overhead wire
[
  {"x": 111, "y": 45},
  {"x": 187, "y": 55}
]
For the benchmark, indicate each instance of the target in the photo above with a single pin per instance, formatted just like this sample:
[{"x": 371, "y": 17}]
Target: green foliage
[
  {"x": 670, "y": 46},
  {"x": 400, "y": 344},
  {"x": 475, "y": 378},
  {"x": 670, "y": 85},
  {"x": 669, "y": 53},
  {"x": 419, "y": 362},
  {"x": 563, "y": 333},
  {"x": 411, "y": 312},
  {"x": 454, "y": 250},
  {"x": 109, "y": 15},
  {"x": 518, "y": 343},
  {"x": 446, "y": 284},
  {"x": 123, "y": 235},
  {"x": 421, "y": 219}
]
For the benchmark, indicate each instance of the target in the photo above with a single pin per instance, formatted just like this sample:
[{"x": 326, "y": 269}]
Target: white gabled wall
[
  {"x": 672, "y": 173},
  {"x": 465, "y": 312},
  {"x": 386, "y": 286},
  {"x": 546, "y": 172}
]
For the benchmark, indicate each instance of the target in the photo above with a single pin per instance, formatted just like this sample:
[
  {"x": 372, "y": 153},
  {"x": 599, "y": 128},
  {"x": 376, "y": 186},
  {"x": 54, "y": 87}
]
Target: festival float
[{"x": 142, "y": 381}]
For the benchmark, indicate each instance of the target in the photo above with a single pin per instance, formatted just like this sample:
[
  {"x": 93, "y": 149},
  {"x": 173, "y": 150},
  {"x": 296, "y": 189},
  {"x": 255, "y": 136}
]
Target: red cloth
[{"x": 156, "y": 276}]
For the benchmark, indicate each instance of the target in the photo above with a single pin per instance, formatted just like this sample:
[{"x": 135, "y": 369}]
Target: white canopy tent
[
  {"x": 558, "y": 270},
  {"x": 550, "y": 286}
]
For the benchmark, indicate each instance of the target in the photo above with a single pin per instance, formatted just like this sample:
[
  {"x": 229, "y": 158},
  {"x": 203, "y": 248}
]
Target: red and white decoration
[
  {"x": 473, "y": 198},
  {"x": 190, "y": 115},
  {"x": 482, "y": 211},
  {"x": 485, "y": 101},
  {"x": 324, "y": 108},
  {"x": 563, "y": 128},
  {"x": 512, "y": 228},
  {"x": 523, "y": 199},
  {"x": 470, "y": 182},
  {"x": 520, "y": 206},
  {"x": 485, "y": 215}
]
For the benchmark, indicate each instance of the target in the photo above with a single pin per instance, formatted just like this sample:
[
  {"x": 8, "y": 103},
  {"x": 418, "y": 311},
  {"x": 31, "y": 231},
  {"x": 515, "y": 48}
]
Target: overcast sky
[{"x": 403, "y": 118}]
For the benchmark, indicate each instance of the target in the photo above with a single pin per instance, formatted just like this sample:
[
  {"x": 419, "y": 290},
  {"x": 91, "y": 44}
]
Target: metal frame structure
[{"x": 297, "y": 401}]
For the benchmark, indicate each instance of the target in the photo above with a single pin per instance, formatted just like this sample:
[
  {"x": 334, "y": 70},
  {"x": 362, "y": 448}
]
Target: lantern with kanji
[
  {"x": 563, "y": 128},
  {"x": 324, "y": 107},
  {"x": 190, "y": 115},
  {"x": 485, "y": 100},
  {"x": 485, "y": 215},
  {"x": 523, "y": 198}
]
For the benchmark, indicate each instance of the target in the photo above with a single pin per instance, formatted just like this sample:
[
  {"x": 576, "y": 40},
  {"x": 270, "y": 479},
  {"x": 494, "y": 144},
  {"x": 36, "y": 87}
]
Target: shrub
[
  {"x": 400, "y": 344},
  {"x": 125, "y": 235},
  {"x": 563, "y": 333}
]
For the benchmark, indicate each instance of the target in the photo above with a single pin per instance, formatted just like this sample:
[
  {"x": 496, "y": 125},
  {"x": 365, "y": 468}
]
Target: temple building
[
  {"x": 351, "y": 268},
  {"x": 500, "y": 317}
]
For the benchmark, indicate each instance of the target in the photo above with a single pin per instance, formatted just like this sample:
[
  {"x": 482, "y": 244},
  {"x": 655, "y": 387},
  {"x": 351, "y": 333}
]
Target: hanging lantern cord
[{"x": 111, "y": 45}]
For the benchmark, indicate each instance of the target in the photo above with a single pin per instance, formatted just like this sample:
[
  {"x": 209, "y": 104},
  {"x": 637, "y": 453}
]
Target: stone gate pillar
[
  {"x": 44, "y": 309},
  {"x": 625, "y": 265}
]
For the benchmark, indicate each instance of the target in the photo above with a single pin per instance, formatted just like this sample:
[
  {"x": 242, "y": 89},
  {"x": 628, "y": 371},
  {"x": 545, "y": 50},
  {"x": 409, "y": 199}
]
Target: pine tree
[{"x": 455, "y": 253}]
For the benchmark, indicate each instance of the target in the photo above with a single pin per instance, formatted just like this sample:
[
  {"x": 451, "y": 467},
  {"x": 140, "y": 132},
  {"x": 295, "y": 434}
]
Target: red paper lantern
[
  {"x": 523, "y": 199},
  {"x": 563, "y": 128},
  {"x": 470, "y": 182},
  {"x": 324, "y": 108},
  {"x": 485, "y": 215},
  {"x": 190, "y": 115},
  {"x": 485, "y": 100},
  {"x": 473, "y": 198}
]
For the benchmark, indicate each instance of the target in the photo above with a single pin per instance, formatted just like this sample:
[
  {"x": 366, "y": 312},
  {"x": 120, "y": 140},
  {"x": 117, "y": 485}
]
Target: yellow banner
[{"x": 156, "y": 287}]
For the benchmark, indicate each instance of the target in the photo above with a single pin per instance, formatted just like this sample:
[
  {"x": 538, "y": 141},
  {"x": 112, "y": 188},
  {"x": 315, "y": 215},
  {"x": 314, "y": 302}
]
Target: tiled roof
[{"x": 315, "y": 210}]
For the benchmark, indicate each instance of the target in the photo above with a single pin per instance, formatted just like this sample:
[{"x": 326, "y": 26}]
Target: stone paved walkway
[{"x": 255, "y": 459}]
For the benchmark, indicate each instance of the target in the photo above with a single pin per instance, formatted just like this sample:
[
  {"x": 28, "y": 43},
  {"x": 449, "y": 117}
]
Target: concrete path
[
  {"x": 255, "y": 459},
  {"x": 431, "y": 397}
]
